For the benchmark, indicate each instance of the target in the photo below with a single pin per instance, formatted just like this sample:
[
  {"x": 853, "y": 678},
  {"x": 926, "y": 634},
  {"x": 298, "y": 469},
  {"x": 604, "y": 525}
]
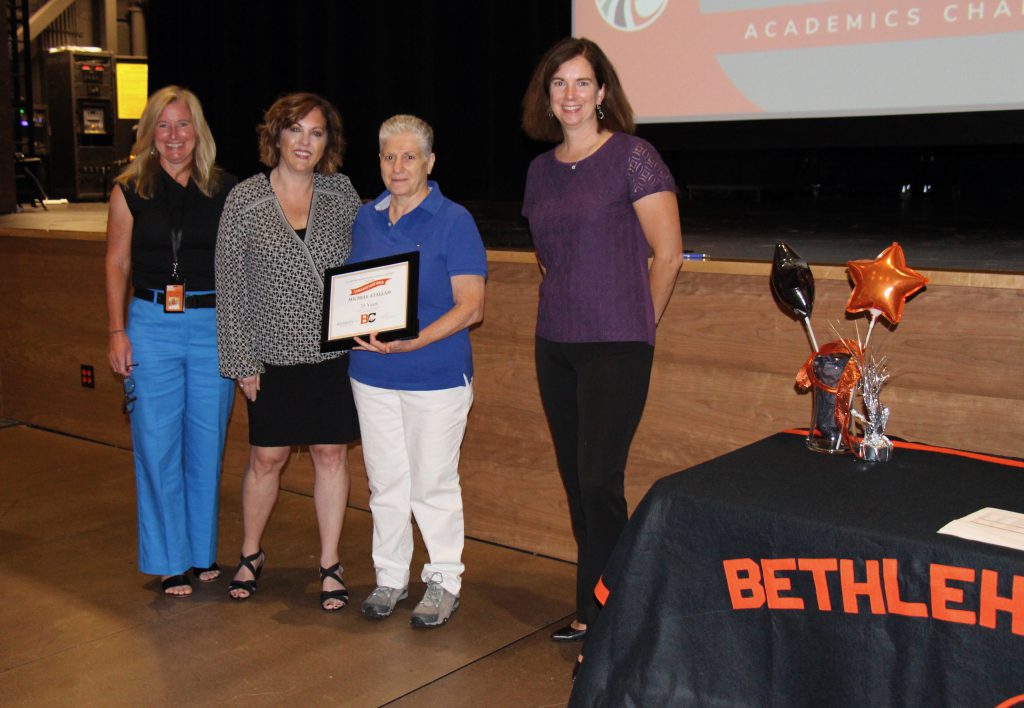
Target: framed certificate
[{"x": 373, "y": 296}]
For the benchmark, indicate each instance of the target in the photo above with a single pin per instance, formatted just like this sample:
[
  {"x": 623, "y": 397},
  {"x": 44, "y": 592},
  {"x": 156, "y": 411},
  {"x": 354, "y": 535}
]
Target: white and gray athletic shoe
[
  {"x": 437, "y": 606},
  {"x": 381, "y": 602}
]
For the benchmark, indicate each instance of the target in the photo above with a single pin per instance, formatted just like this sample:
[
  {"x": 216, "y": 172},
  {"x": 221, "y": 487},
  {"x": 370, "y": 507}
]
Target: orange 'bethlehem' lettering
[
  {"x": 819, "y": 567},
  {"x": 773, "y": 584},
  {"x": 943, "y": 594},
  {"x": 991, "y": 602},
  {"x": 745, "y": 592},
  {"x": 768, "y": 583},
  {"x": 871, "y": 586},
  {"x": 890, "y": 575}
]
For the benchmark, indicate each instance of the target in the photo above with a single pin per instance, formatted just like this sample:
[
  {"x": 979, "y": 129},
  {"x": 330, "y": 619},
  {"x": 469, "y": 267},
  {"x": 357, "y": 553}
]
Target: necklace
[{"x": 591, "y": 149}]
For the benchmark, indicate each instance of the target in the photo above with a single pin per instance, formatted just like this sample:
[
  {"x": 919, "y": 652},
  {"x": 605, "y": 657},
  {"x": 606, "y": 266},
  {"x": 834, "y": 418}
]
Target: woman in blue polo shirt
[{"x": 414, "y": 395}]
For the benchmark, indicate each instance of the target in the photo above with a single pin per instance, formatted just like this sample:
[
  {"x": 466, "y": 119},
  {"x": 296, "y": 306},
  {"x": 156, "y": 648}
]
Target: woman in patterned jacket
[{"x": 280, "y": 231}]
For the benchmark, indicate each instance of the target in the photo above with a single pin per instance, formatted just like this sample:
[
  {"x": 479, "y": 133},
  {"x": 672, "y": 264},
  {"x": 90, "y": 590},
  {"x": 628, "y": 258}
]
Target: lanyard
[
  {"x": 176, "y": 220},
  {"x": 175, "y": 245}
]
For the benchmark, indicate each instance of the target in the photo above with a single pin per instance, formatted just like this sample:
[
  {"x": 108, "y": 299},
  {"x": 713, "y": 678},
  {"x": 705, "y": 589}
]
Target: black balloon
[{"x": 792, "y": 282}]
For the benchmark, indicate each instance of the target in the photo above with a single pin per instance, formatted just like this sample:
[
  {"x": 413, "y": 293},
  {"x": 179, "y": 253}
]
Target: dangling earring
[
  {"x": 600, "y": 113},
  {"x": 550, "y": 113},
  {"x": 152, "y": 151}
]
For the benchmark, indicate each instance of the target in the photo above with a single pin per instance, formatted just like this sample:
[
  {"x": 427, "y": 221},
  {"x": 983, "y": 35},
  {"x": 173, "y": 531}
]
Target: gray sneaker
[
  {"x": 381, "y": 602},
  {"x": 436, "y": 607}
]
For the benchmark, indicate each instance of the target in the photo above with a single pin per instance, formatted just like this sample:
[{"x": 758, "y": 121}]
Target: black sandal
[
  {"x": 175, "y": 581},
  {"x": 248, "y": 585},
  {"x": 341, "y": 594},
  {"x": 198, "y": 572}
]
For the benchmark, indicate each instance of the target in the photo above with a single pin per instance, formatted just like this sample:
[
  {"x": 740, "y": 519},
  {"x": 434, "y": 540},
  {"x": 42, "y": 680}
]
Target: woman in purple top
[{"x": 598, "y": 204}]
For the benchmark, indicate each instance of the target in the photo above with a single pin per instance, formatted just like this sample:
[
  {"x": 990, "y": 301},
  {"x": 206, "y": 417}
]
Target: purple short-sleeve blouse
[{"x": 588, "y": 238}]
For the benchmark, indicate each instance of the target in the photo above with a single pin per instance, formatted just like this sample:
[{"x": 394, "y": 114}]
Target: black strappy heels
[
  {"x": 248, "y": 585},
  {"x": 333, "y": 572}
]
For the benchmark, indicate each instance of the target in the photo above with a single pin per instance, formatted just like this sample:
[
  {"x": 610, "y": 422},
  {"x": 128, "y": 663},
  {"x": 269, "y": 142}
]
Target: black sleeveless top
[{"x": 172, "y": 205}]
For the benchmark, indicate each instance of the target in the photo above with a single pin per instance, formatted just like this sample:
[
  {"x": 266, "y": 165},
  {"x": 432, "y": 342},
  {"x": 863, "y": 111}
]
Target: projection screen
[{"x": 723, "y": 60}]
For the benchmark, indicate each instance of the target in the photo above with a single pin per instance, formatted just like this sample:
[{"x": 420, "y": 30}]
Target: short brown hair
[
  {"x": 537, "y": 121},
  {"x": 289, "y": 110}
]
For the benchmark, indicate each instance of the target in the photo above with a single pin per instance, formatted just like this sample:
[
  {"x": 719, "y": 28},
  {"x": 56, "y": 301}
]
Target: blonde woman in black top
[{"x": 161, "y": 235}]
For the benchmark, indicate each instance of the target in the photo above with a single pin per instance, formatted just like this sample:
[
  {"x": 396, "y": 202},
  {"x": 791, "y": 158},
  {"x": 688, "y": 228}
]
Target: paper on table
[{"x": 988, "y": 525}]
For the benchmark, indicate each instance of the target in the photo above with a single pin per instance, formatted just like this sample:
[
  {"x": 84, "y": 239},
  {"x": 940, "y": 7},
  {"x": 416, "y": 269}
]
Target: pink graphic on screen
[{"x": 742, "y": 59}]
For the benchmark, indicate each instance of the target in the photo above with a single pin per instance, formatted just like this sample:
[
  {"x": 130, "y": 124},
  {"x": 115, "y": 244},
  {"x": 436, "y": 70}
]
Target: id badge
[{"x": 174, "y": 297}]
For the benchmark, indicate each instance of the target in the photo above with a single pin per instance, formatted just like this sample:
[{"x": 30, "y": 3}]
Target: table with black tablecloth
[{"x": 776, "y": 576}]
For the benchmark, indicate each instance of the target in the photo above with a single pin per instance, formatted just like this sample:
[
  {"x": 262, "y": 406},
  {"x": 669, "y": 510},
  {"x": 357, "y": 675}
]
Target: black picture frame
[{"x": 341, "y": 316}]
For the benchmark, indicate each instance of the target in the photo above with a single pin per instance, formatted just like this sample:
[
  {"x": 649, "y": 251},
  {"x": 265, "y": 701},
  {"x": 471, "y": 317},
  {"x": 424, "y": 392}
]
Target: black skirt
[{"x": 304, "y": 404}]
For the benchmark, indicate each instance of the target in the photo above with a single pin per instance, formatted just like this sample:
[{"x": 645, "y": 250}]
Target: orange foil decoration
[
  {"x": 844, "y": 388},
  {"x": 883, "y": 285}
]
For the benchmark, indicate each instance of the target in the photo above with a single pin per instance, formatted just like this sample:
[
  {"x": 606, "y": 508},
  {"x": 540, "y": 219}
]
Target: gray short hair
[{"x": 404, "y": 123}]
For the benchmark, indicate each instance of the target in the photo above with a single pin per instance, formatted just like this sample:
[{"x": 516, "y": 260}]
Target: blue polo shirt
[{"x": 449, "y": 244}]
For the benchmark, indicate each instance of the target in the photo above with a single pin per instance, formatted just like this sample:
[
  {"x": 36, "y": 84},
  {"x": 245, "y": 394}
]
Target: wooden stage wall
[{"x": 723, "y": 375}]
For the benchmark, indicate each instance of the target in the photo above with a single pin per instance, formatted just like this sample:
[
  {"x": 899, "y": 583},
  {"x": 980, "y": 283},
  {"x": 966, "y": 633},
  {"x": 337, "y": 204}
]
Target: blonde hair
[
  {"x": 141, "y": 173},
  {"x": 404, "y": 123}
]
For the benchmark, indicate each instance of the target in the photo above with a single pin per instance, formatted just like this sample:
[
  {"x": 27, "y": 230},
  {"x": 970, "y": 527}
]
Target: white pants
[{"x": 411, "y": 442}]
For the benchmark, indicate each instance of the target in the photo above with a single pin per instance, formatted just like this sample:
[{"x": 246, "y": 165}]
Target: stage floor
[
  {"x": 963, "y": 237},
  {"x": 933, "y": 236},
  {"x": 82, "y": 627}
]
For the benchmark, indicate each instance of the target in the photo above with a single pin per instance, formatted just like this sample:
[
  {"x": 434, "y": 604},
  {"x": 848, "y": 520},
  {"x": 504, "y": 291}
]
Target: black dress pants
[{"x": 593, "y": 395}]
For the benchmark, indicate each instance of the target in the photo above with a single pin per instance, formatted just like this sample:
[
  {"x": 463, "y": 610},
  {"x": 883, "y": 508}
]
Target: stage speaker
[{"x": 82, "y": 103}]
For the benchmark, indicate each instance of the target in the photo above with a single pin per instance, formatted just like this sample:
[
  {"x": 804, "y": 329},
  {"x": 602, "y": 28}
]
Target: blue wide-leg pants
[{"x": 178, "y": 427}]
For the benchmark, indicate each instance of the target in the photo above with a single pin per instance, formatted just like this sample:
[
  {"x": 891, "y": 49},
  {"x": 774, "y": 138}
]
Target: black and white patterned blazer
[{"x": 270, "y": 281}]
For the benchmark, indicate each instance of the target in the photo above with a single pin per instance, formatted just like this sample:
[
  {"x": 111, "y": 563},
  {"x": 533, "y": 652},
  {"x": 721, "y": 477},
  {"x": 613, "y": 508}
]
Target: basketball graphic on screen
[{"x": 630, "y": 15}]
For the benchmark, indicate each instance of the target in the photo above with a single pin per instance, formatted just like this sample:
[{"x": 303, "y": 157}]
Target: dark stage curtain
[{"x": 462, "y": 65}]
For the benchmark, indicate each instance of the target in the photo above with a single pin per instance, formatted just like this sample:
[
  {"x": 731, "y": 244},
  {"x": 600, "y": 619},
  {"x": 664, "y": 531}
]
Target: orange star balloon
[{"x": 883, "y": 285}]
